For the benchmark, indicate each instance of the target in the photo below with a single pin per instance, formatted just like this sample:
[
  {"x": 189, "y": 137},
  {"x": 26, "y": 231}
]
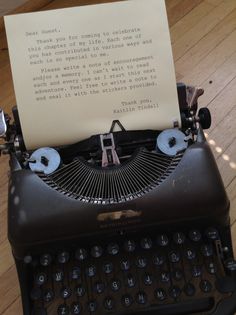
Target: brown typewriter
[{"x": 128, "y": 222}]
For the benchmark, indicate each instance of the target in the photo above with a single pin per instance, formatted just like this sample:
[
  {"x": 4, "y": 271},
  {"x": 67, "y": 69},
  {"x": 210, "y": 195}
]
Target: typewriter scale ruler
[{"x": 171, "y": 141}]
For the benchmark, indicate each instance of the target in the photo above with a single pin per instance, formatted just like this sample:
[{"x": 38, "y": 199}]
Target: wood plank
[
  {"x": 14, "y": 308},
  {"x": 176, "y": 12},
  {"x": 190, "y": 20},
  {"x": 231, "y": 191},
  {"x": 197, "y": 54},
  {"x": 203, "y": 27}
]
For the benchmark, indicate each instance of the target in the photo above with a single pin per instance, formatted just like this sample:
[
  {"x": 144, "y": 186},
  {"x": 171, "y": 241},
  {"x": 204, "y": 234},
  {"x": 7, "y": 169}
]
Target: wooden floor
[{"x": 203, "y": 37}]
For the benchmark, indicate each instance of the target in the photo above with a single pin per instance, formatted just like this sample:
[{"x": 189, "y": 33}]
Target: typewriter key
[
  {"x": 109, "y": 303},
  {"x": 146, "y": 243},
  {"x": 165, "y": 276},
  {"x": 196, "y": 271},
  {"x": 65, "y": 293},
  {"x": 189, "y": 289},
  {"x": 75, "y": 273},
  {"x": 177, "y": 274},
  {"x": 58, "y": 276},
  {"x": 115, "y": 285},
  {"x": 48, "y": 295},
  {"x": 207, "y": 250},
  {"x": 162, "y": 240},
  {"x": 45, "y": 259},
  {"x": 80, "y": 290},
  {"x": 158, "y": 259},
  {"x": 96, "y": 251},
  {"x": 107, "y": 268},
  {"x": 141, "y": 262},
  {"x": 160, "y": 294},
  {"x": 130, "y": 281},
  {"x": 63, "y": 309},
  {"x": 113, "y": 249},
  {"x": 125, "y": 265},
  {"x": 99, "y": 287},
  {"x": 40, "y": 278},
  {"x": 179, "y": 238},
  {"x": 127, "y": 300},
  {"x": 90, "y": 271},
  {"x": 174, "y": 292},
  {"x": 230, "y": 264},
  {"x": 35, "y": 294},
  {"x": 205, "y": 286},
  {"x": 92, "y": 306},
  {"x": 75, "y": 308},
  {"x": 63, "y": 257},
  {"x": 212, "y": 233},
  {"x": 195, "y": 235},
  {"x": 81, "y": 254},
  {"x": 211, "y": 268},
  {"x": 129, "y": 246},
  {"x": 190, "y": 254},
  {"x": 147, "y": 279},
  {"x": 141, "y": 297},
  {"x": 174, "y": 256}
]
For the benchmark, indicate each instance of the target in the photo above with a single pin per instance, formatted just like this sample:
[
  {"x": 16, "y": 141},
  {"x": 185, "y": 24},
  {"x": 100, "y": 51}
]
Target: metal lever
[
  {"x": 109, "y": 155},
  {"x": 193, "y": 93},
  {"x": 3, "y": 125}
]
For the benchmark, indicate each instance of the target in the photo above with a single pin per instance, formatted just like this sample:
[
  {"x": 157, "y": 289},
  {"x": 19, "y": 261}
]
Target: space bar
[{"x": 187, "y": 307}]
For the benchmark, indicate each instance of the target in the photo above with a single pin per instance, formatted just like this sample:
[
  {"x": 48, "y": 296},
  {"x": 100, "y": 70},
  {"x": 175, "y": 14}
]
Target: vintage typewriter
[{"x": 129, "y": 222}]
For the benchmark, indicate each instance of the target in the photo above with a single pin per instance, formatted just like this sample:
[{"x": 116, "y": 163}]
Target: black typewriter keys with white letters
[
  {"x": 63, "y": 309},
  {"x": 129, "y": 246},
  {"x": 63, "y": 257},
  {"x": 195, "y": 235},
  {"x": 45, "y": 260},
  {"x": 162, "y": 240},
  {"x": 113, "y": 249},
  {"x": 75, "y": 308},
  {"x": 96, "y": 251},
  {"x": 81, "y": 254}
]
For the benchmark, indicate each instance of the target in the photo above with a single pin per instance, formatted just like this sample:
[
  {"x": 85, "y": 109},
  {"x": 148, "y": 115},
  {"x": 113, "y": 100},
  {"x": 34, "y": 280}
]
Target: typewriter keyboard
[{"x": 174, "y": 273}]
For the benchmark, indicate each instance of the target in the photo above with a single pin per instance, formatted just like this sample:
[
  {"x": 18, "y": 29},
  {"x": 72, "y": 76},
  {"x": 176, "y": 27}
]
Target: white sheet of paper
[{"x": 76, "y": 70}]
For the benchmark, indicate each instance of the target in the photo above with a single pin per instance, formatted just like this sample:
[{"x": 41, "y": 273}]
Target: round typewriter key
[
  {"x": 113, "y": 249},
  {"x": 115, "y": 285},
  {"x": 91, "y": 271},
  {"x": 147, "y": 279},
  {"x": 196, "y": 271},
  {"x": 96, "y": 251},
  {"x": 92, "y": 306},
  {"x": 81, "y": 254},
  {"x": 63, "y": 257},
  {"x": 129, "y": 246},
  {"x": 75, "y": 308},
  {"x": 205, "y": 286},
  {"x": 58, "y": 276},
  {"x": 48, "y": 295},
  {"x": 141, "y": 262},
  {"x": 28, "y": 259},
  {"x": 45, "y": 260},
  {"x": 158, "y": 259},
  {"x": 177, "y": 274},
  {"x": 160, "y": 294},
  {"x": 165, "y": 276},
  {"x": 40, "y": 278},
  {"x": 107, "y": 268},
  {"x": 212, "y": 233},
  {"x": 230, "y": 264},
  {"x": 125, "y": 265},
  {"x": 179, "y": 238},
  {"x": 35, "y": 294},
  {"x": 99, "y": 287},
  {"x": 63, "y": 309},
  {"x": 189, "y": 289},
  {"x": 174, "y": 292},
  {"x": 79, "y": 290},
  {"x": 141, "y": 297},
  {"x": 162, "y": 240},
  {"x": 190, "y": 253},
  {"x": 174, "y": 256},
  {"x": 211, "y": 268},
  {"x": 130, "y": 281},
  {"x": 65, "y": 293},
  {"x": 207, "y": 250},
  {"x": 75, "y": 273},
  {"x": 195, "y": 235},
  {"x": 146, "y": 243},
  {"x": 127, "y": 300},
  {"x": 109, "y": 303}
]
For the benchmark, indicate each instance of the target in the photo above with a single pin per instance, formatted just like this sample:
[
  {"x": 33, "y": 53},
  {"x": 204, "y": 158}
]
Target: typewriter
[{"x": 128, "y": 222}]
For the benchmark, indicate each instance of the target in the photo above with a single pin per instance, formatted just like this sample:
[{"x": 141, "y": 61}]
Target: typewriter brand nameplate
[{"x": 76, "y": 70}]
